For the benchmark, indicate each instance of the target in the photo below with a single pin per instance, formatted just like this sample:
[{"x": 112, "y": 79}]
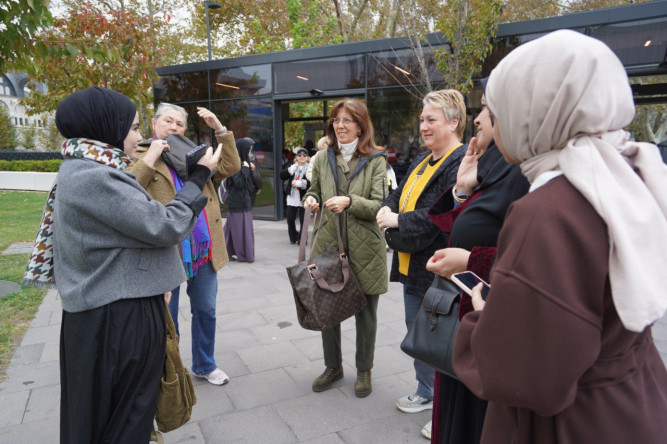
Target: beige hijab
[{"x": 561, "y": 102}]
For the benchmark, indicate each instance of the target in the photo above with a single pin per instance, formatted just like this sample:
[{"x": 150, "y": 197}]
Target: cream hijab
[{"x": 561, "y": 102}]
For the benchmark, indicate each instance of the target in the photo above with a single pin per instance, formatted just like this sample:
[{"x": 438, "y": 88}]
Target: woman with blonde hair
[
  {"x": 441, "y": 125},
  {"x": 349, "y": 180},
  {"x": 562, "y": 349}
]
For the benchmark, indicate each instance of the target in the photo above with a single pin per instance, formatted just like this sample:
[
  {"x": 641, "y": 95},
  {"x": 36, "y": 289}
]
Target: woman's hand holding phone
[
  {"x": 478, "y": 301},
  {"x": 210, "y": 159}
]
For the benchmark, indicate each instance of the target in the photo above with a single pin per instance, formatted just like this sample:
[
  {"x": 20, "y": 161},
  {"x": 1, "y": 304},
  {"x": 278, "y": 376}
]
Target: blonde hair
[{"x": 452, "y": 104}]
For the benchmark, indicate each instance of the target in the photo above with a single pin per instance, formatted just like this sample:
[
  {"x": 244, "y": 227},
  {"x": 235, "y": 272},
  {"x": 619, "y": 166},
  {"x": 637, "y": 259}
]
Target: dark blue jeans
[{"x": 202, "y": 290}]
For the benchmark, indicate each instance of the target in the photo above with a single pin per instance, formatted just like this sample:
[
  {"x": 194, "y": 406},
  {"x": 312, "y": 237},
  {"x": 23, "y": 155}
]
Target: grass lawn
[{"x": 20, "y": 214}]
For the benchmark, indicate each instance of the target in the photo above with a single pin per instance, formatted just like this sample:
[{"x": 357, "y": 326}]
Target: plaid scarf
[{"x": 39, "y": 272}]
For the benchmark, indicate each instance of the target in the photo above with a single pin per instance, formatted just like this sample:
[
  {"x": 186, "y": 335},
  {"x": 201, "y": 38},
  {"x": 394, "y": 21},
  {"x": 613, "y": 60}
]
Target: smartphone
[
  {"x": 193, "y": 156},
  {"x": 467, "y": 280}
]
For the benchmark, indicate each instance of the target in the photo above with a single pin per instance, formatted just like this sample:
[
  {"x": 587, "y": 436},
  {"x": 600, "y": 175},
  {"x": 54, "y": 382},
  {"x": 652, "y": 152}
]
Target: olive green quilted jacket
[{"x": 366, "y": 187}]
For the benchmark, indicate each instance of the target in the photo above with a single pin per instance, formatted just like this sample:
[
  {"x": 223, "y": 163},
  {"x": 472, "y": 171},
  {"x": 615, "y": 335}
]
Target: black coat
[
  {"x": 288, "y": 178},
  {"x": 417, "y": 223},
  {"x": 240, "y": 191}
]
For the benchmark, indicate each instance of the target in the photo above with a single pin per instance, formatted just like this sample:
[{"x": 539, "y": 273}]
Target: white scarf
[
  {"x": 348, "y": 149},
  {"x": 561, "y": 102}
]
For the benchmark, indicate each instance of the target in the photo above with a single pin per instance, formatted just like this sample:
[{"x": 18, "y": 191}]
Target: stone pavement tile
[
  {"x": 12, "y": 408},
  {"x": 259, "y": 425},
  {"x": 279, "y": 313},
  {"x": 235, "y": 340},
  {"x": 43, "y": 403},
  {"x": 392, "y": 429},
  {"x": 311, "y": 347},
  {"x": 266, "y": 388},
  {"x": 48, "y": 431},
  {"x": 56, "y": 318},
  {"x": 37, "y": 335},
  {"x": 188, "y": 433},
  {"x": 267, "y": 357},
  {"x": 284, "y": 331},
  {"x": 318, "y": 414},
  {"x": 387, "y": 336},
  {"x": 239, "y": 321},
  {"x": 242, "y": 304},
  {"x": 51, "y": 301},
  {"x": 212, "y": 400},
  {"x": 51, "y": 352},
  {"x": 389, "y": 310},
  {"x": 27, "y": 355},
  {"x": 331, "y": 438},
  {"x": 42, "y": 319},
  {"x": 398, "y": 326},
  {"x": 30, "y": 377},
  {"x": 19, "y": 248}
]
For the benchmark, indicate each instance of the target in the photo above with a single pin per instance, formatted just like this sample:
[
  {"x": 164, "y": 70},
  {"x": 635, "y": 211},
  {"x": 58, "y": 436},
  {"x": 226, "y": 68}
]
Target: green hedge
[{"x": 42, "y": 166}]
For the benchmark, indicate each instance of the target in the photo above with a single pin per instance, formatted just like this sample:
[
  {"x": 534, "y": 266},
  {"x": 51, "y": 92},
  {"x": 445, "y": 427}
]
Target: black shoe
[{"x": 326, "y": 379}]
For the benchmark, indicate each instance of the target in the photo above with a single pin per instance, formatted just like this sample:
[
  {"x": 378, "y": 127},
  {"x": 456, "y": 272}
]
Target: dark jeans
[{"x": 294, "y": 235}]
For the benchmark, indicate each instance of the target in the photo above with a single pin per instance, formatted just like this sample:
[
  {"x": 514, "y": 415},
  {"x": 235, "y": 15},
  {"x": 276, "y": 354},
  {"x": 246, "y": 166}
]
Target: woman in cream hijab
[{"x": 562, "y": 348}]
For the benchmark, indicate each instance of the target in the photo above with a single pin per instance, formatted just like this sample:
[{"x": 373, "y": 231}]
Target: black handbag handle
[{"x": 314, "y": 272}]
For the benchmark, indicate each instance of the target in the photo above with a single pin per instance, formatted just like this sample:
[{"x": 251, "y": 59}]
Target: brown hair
[
  {"x": 359, "y": 113},
  {"x": 452, "y": 104}
]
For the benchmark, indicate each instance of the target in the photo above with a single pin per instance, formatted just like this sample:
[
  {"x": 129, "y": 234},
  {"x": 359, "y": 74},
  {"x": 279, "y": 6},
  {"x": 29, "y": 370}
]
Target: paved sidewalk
[{"x": 270, "y": 359}]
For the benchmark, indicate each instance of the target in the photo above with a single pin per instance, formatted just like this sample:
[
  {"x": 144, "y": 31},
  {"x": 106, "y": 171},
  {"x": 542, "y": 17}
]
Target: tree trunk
[{"x": 355, "y": 21}]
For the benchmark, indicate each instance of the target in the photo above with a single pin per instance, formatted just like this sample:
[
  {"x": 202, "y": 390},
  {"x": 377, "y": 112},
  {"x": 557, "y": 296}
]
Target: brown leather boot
[
  {"x": 324, "y": 381},
  {"x": 362, "y": 387}
]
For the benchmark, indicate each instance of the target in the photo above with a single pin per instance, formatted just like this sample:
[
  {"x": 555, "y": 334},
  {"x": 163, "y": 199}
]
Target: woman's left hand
[
  {"x": 386, "y": 219},
  {"x": 211, "y": 119},
  {"x": 337, "y": 204},
  {"x": 477, "y": 302},
  {"x": 167, "y": 296},
  {"x": 448, "y": 261}
]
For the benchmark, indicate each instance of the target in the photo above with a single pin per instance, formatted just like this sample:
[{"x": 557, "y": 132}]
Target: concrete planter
[{"x": 26, "y": 181}]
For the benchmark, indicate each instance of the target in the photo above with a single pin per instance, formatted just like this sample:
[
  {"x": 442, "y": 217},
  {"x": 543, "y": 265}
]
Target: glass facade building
[{"x": 281, "y": 99}]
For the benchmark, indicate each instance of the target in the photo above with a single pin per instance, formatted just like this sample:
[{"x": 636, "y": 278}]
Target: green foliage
[
  {"x": 41, "y": 166},
  {"x": 50, "y": 139},
  {"x": 7, "y": 131},
  {"x": 28, "y": 137},
  {"x": 469, "y": 27},
  {"x": 22, "y": 20},
  {"x": 94, "y": 47}
]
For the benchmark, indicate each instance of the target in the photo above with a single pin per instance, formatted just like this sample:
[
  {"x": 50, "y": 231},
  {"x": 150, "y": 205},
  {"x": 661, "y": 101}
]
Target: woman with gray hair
[
  {"x": 441, "y": 125},
  {"x": 562, "y": 349}
]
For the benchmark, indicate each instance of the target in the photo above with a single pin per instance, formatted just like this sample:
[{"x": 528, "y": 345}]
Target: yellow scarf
[{"x": 410, "y": 195}]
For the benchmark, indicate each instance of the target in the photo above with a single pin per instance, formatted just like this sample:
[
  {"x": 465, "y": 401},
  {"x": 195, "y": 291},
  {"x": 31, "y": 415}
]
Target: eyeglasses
[
  {"x": 302, "y": 154},
  {"x": 346, "y": 120}
]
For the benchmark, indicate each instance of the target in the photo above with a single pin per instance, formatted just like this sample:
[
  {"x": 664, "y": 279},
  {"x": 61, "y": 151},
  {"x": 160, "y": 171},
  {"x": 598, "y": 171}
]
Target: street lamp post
[{"x": 210, "y": 5}]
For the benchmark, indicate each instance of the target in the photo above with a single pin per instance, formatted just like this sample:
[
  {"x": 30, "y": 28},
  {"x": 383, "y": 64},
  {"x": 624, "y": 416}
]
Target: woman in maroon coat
[{"x": 562, "y": 349}]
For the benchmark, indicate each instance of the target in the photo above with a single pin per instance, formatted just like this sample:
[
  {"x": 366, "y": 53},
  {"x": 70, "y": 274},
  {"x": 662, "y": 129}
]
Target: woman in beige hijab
[{"x": 562, "y": 348}]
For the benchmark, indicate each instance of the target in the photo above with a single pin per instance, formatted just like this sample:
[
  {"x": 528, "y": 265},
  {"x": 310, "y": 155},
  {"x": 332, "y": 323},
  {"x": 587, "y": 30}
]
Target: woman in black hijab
[
  {"x": 110, "y": 250},
  {"x": 241, "y": 188}
]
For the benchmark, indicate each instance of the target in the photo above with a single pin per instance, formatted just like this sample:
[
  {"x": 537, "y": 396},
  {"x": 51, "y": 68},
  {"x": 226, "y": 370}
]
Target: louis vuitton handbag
[
  {"x": 326, "y": 291},
  {"x": 431, "y": 336},
  {"x": 177, "y": 394}
]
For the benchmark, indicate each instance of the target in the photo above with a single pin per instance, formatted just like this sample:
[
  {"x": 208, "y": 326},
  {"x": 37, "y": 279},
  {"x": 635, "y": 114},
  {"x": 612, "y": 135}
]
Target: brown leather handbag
[
  {"x": 326, "y": 291},
  {"x": 177, "y": 394}
]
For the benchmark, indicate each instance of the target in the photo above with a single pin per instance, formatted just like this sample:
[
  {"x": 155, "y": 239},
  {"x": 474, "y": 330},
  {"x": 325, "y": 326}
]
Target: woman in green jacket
[{"x": 350, "y": 180}]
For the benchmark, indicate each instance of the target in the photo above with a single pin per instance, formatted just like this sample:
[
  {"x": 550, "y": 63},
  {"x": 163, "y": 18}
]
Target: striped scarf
[{"x": 196, "y": 249}]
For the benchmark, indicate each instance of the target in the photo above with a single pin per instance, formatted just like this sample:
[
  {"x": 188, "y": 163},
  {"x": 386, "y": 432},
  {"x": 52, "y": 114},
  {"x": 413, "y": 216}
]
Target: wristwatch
[{"x": 222, "y": 132}]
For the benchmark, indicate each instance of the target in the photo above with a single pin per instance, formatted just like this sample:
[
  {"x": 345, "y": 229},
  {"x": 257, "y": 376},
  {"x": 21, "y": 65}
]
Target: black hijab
[
  {"x": 243, "y": 147},
  {"x": 96, "y": 113}
]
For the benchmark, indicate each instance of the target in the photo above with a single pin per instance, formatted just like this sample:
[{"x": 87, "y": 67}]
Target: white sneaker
[
  {"x": 414, "y": 403},
  {"x": 426, "y": 430},
  {"x": 216, "y": 377}
]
